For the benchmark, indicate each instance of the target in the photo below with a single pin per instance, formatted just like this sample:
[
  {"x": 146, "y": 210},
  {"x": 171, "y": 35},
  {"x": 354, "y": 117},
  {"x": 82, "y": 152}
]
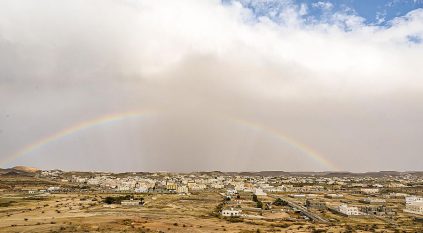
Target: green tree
[
  {"x": 259, "y": 204},
  {"x": 280, "y": 202}
]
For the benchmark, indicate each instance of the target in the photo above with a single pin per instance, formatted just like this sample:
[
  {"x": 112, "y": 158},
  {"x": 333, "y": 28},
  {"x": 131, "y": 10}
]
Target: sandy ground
[{"x": 161, "y": 213}]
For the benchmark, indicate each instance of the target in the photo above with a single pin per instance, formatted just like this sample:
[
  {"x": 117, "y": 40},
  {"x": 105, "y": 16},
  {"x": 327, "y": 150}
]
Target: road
[{"x": 303, "y": 210}]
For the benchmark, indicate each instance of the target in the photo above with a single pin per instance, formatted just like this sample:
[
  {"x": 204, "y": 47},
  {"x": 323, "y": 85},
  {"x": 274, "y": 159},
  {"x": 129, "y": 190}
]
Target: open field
[
  {"x": 161, "y": 213},
  {"x": 55, "y": 201}
]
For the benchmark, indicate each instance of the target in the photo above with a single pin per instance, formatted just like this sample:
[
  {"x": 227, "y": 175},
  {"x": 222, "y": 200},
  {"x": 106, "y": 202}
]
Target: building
[
  {"x": 315, "y": 204},
  {"x": 373, "y": 201},
  {"x": 297, "y": 195},
  {"x": 171, "y": 187},
  {"x": 348, "y": 210},
  {"x": 259, "y": 192},
  {"x": 231, "y": 192},
  {"x": 414, "y": 207},
  {"x": 231, "y": 213},
  {"x": 411, "y": 199},
  {"x": 53, "y": 189},
  {"x": 370, "y": 190},
  {"x": 378, "y": 210},
  {"x": 334, "y": 195},
  {"x": 182, "y": 189},
  {"x": 141, "y": 189}
]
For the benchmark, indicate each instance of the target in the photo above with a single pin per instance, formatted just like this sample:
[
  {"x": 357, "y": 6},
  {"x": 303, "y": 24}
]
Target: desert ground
[{"x": 161, "y": 213}]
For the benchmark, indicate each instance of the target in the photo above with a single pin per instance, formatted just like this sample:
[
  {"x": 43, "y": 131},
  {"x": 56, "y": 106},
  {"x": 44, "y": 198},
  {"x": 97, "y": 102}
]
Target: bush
[
  {"x": 260, "y": 204},
  {"x": 119, "y": 199},
  {"x": 234, "y": 219},
  {"x": 280, "y": 202}
]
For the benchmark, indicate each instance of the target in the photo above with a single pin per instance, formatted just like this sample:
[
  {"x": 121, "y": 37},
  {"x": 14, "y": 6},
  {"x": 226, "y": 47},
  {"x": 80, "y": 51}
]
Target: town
[{"x": 54, "y": 200}]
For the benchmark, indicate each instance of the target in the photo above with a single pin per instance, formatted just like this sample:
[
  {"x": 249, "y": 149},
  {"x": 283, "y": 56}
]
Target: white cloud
[
  {"x": 323, "y": 5},
  {"x": 94, "y": 57}
]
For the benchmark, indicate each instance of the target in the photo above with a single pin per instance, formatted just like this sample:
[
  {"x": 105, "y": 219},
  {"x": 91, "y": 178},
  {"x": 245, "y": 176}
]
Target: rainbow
[
  {"x": 305, "y": 149},
  {"x": 84, "y": 125}
]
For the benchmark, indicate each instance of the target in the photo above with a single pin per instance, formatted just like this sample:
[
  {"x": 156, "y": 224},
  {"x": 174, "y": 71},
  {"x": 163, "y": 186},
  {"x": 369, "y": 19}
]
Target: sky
[{"x": 205, "y": 85}]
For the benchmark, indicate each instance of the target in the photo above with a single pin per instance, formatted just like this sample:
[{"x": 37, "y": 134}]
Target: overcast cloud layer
[{"x": 351, "y": 91}]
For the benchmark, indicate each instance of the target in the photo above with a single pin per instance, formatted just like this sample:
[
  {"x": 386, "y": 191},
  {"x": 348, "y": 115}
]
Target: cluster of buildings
[{"x": 373, "y": 190}]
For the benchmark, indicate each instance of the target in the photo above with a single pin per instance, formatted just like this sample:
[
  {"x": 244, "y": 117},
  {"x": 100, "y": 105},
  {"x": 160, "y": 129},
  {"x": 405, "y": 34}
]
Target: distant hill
[
  {"x": 325, "y": 174},
  {"x": 18, "y": 171},
  {"x": 25, "y": 169}
]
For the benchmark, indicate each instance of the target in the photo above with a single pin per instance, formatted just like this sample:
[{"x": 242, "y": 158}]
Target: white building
[
  {"x": 370, "y": 190},
  {"x": 414, "y": 207},
  {"x": 297, "y": 195},
  {"x": 369, "y": 200},
  {"x": 411, "y": 199},
  {"x": 196, "y": 187},
  {"x": 141, "y": 189},
  {"x": 334, "y": 195},
  {"x": 123, "y": 188},
  {"x": 259, "y": 192},
  {"x": 231, "y": 192},
  {"x": 93, "y": 181},
  {"x": 182, "y": 189},
  {"x": 231, "y": 213},
  {"x": 53, "y": 189},
  {"x": 348, "y": 210},
  {"x": 217, "y": 186}
]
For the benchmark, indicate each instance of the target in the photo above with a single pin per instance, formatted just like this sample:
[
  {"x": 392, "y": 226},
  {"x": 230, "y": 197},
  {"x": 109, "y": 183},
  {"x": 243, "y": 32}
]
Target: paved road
[{"x": 303, "y": 210}]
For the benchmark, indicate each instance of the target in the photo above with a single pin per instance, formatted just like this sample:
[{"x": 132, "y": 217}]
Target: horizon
[
  {"x": 233, "y": 85},
  {"x": 211, "y": 171}
]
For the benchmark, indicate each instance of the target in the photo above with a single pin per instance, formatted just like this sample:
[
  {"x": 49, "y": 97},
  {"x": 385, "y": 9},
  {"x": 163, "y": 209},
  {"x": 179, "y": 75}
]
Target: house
[
  {"x": 53, "y": 189},
  {"x": 32, "y": 191},
  {"x": 315, "y": 204},
  {"x": 297, "y": 195},
  {"x": 334, "y": 195},
  {"x": 370, "y": 190},
  {"x": 378, "y": 210},
  {"x": 231, "y": 213},
  {"x": 182, "y": 189},
  {"x": 171, "y": 187},
  {"x": 414, "y": 207},
  {"x": 231, "y": 192},
  {"x": 141, "y": 189},
  {"x": 348, "y": 210},
  {"x": 259, "y": 192},
  {"x": 369, "y": 200},
  {"x": 411, "y": 199}
]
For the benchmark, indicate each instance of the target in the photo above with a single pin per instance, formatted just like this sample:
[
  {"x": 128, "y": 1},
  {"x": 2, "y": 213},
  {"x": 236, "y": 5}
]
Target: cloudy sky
[{"x": 215, "y": 85}]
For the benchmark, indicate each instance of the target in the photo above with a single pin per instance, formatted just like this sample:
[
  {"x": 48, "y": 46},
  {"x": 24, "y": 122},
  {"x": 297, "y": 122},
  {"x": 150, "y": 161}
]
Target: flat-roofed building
[
  {"x": 370, "y": 190},
  {"x": 373, "y": 200},
  {"x": 415, "y": 207},
  {"x": 315, "y": 204},
  {"x": 348, "y": 210},
  {"x": 334, "y": 195},
  {"x": 231, "y": 213},
  {"x": 411, "y": 199}
]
